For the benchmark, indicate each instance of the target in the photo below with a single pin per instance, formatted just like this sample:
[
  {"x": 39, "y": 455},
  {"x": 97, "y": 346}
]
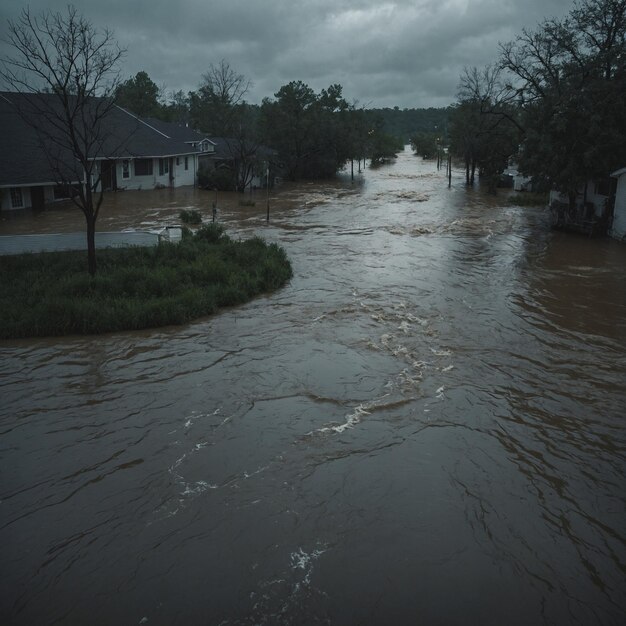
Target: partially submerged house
[
  {"x": 590, "y": 211},
  {"x": 134, "y": 154}
]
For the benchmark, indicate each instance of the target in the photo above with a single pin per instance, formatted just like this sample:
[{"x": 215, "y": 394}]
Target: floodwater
[{"x": 425, "y": 426}]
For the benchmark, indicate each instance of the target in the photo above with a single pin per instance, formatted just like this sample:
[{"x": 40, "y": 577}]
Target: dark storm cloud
[{"x": 405, "y": 53}]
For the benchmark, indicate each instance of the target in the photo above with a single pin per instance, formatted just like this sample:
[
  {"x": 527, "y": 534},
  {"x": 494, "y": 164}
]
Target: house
[
  {"x": 134, "y": 154},
  {"x": 592, "y": 209},
  {"x": 618, "y": 226},
  {"x": 520, "y": 182}
]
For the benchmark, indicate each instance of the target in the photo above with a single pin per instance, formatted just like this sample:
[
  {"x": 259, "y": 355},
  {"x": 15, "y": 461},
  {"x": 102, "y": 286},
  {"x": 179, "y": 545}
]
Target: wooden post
[
  {"x": 268, "y": 194},
  {"x": 449, "y": 170}
]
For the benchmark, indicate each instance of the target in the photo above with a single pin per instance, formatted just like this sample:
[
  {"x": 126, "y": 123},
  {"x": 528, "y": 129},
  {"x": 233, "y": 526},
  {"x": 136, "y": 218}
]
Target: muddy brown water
[{"x": 425, "y": 426}]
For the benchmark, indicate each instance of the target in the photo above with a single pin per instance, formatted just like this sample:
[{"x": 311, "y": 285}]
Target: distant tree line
[
  {"x": 313, "y": 134},
  {"x": 408, "y": 123},
  {"x": 554, "y": 100}
]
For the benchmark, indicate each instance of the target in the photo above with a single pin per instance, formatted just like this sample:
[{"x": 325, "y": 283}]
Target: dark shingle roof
[
  {"x": 22, "y": 158},
  {"x": 24, "y": 161},
  {"x": 177, "y": 132}
]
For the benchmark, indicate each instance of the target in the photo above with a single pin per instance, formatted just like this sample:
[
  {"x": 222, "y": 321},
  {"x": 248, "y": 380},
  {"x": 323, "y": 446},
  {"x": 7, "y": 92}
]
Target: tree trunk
[{"x": 91, "y": 245}]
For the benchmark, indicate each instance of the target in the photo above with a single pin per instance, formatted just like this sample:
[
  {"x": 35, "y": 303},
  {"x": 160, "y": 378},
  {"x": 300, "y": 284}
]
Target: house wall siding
[
  {"x": 598, "y": 201},
  {"x": 618, "y": 228},
  {"x": 181, "y": 177},
  {"x": 48, "y": 196}
]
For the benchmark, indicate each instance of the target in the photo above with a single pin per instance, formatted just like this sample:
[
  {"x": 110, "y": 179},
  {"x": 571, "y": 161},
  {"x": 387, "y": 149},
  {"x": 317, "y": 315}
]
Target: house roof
[
  {"x": 28, "y": 157},
  {"x": 174, "y": 131},
  {"x": 22, "y": 159},
  {"x": 619, "y": 172}
]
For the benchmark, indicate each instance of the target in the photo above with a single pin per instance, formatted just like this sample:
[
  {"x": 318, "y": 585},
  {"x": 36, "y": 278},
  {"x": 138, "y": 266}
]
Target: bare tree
[
  {"x": 69, "y": 69},
  {"x": 216, "y": 104}
]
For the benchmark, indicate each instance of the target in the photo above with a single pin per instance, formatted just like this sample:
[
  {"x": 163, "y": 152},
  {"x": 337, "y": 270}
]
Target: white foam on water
[
  {"x": 351, "y": 421},
  {"x": 258, "y": 471},
  {"x": 441, "y": 352},
  {"x": 194, "y": 489},
  {"x": 448, "y": 368},
  {"x": 302, "y": 560},
  {"x": 196, "y": 415},
  {"x": 404, "y": 326}
]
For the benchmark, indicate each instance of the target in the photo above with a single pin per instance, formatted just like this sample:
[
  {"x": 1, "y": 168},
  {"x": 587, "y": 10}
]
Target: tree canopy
[
  {"x": 569, "y": 79},
  {"x": 139, "y": 95},
  {"x": 554, "y": 100}
]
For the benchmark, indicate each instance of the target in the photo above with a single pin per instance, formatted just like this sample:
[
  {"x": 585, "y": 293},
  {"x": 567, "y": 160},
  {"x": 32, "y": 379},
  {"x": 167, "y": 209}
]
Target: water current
[{"x": 425, "y": 426}]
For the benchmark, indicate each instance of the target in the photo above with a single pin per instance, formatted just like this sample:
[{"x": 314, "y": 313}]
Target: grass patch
[{"x": 52, "y": 294}]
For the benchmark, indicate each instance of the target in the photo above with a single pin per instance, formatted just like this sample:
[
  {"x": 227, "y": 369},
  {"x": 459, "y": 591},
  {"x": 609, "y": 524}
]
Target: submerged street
[{"x": 425, "y": 426}]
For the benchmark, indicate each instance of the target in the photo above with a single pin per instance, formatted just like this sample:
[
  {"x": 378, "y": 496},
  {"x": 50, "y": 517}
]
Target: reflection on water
[{"x": 424, "y": 426}]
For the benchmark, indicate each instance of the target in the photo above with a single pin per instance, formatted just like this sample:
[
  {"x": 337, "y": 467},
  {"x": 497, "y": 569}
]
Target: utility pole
[{"x": 268, "y": 192}]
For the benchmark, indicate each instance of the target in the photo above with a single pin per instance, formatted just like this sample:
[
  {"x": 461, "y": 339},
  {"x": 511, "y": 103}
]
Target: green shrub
[
  {"x": 221, "y": 178},
  {"x": 211, "y": 233},
  {"x": 190, "y": 217}
]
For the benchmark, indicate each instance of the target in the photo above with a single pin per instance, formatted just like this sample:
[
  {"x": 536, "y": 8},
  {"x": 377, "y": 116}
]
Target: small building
[{"x": 519, "y": 182}]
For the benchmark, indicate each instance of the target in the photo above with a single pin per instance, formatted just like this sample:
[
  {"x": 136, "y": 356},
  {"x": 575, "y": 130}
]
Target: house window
[
  {"x": 125, "y": 168},
  {"x": 186, "y": 163},
  {"x": 164, "y": 166},
  {"x": 177, "y": 160},
  {"x": 605, "y": 187},
  {"x": 143, "y": 167},
  {"x": 17, "y": 201}
]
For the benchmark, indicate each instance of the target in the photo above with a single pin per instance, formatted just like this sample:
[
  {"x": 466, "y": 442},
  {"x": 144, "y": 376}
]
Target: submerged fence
[{"x": 55, "y": 242}]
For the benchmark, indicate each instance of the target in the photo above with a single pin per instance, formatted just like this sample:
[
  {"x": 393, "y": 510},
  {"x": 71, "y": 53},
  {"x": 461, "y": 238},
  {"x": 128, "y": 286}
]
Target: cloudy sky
[{"x": 407, "y": 53}]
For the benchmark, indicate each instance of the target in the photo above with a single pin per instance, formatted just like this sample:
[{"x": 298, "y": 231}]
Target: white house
[
  {"x": 136, "y": 154},
  {"x": 520, "y": 182},
  {"x": 592, "y": 210}
]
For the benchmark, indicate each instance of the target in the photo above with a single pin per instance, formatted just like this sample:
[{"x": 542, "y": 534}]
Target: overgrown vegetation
[
  {"x": 52, "y": 294},
  {"x": 190, "y": 217},
  {"x": 425, "y": 144},
  {"x": 220, "y": 178}
]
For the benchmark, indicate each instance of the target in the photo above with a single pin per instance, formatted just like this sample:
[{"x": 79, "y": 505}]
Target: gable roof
[
  {"x": 23, "y": 160},
  {"x": 175, "y": 131}
]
